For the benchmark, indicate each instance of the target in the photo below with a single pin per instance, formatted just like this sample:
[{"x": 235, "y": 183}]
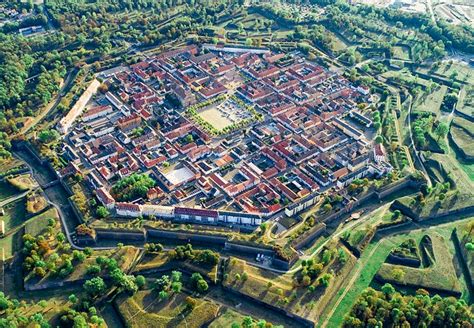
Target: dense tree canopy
[
  {"x": 388, "y": 308},
  {"x": 132, "y": 187}
]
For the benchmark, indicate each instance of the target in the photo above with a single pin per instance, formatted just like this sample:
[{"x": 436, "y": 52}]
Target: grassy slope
[
  {"x": 145, "y": 310},
  {"x": 371, "y": 260}
]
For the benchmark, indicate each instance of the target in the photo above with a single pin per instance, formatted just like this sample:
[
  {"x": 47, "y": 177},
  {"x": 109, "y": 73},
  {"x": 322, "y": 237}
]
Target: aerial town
[{"x": 304, "y": 132}]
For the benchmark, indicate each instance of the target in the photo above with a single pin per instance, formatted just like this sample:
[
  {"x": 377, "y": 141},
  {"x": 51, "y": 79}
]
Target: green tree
[
  {"x": 95, "y": 286},
  {"x": 140, "y": 281},
  {"x": 441, "y": 130},
  {"x": 202, "y": 286},
  {"x": 102, "y": 212}
]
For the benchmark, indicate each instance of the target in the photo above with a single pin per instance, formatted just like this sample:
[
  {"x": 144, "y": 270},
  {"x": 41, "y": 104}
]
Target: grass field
[
  {"x": 124, "y": 257},
  {"x": 9, "y": 166},
  {"x": 281, "y": 290},
  {"x": 23, "y": 182},
  {"x": 12, "y": 243},
  {"x": 466, "y": 100},
  {"x": 37, "y": 224},
  {"x": 430, "y": 102},
  {"x": 7, "y": 190},
  {"x": 227, "y": 318},
  {"x": 464, "y": 182},
  {"x": 462, "y": 134},
  {"x": 359, "y": 233},
  {"x": 14, "y": 214},
  {"x": 144, "y": 309},
  {"x": 461, "y": 71},
  {"x": 440, "y": 275},
  {"x": 405, "y": 76},
  {"x": 400, "y": 53},
  {"x": 162, "y": 260},
  {"x": 372, "y": 259}
]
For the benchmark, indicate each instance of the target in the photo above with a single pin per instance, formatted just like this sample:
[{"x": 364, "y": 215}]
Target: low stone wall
[
  {"x": 385, "y": 229},
  {"x": 416, "y": 286},
  {"x": 309, "y": 236},
  {"x": 460, "y": 150},
  {"x": 120, "y": 235},
  {"x": 397, "y": 186},
  {"x": 464, "y": 115},
  {"x": 53, "y": 284},
  {"x": 352, "y": 249},
  {"x": 469, "y": 274},
  {"x": 232, "y": 246},
  {"x": 186, "y": 236},
  {"x": 406, "y": 261}
]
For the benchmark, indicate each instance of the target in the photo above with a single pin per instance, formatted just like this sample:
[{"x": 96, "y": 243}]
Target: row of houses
[{"x": 196, "y": 215}]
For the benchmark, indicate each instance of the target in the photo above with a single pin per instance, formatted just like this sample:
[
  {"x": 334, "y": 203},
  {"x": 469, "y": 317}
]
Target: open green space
[
  {"x": 305, "y": 294},
  {"x": 7, "y": 190},
  {"x": 430, "y": 102},
  {"x": 462, "y": 135},
  {"x": 22, "y": 182},
  {"x": 452, "y": 70},
  {"x": 373, "y": 258},
  {"x": 466, "y": 100},
  {"x": 227, "y": 318},
  {"x": 14, "y": 214},
  {"x": 145, "y": 309},
  {"x": 438, "y": 274},
  {"x": 399, "y": 52}
]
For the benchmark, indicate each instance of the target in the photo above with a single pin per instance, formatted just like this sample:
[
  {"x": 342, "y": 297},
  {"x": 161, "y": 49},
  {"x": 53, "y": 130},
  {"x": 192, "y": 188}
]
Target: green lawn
[
  {"x": 144, "y": 309},
  {"x": 463, "y": 179},
  {"x": 14, "y": 214},
  {"x": 226, "y": 319},
  {"x": 466, "y": 100},
  {"x": 430, "y": 102},
  {"x": 371, "y": 260},
  {"x": 464, "y": 72},
  {"x": 7, "y": 190},
  {"x": 440, "y": 275},
  {"x": 400, "y": 53}
]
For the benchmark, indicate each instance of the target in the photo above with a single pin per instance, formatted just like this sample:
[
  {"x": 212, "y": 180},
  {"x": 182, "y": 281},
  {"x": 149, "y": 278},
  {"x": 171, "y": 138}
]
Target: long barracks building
[{"x": 186, "y": 214}]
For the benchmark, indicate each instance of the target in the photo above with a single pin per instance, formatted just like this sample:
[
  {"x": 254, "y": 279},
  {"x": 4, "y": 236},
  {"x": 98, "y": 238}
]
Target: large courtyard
[{"x": 225, "y": 114}]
